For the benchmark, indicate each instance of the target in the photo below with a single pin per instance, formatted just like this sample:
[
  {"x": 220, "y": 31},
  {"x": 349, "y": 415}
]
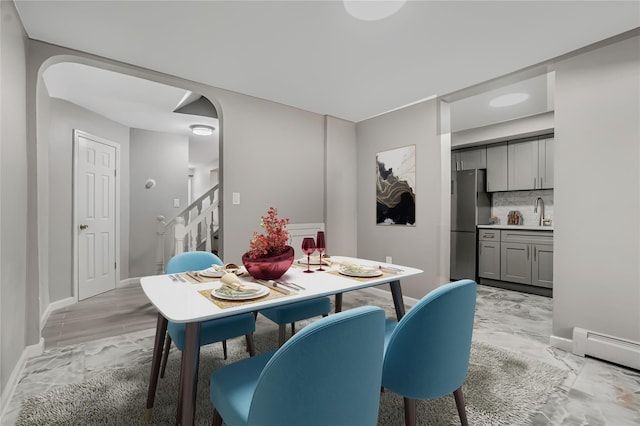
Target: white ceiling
[{"x": 313, "y": 55}]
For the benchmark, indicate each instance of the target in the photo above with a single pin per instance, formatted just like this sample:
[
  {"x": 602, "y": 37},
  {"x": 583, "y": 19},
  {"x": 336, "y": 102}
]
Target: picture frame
[{"x": 395, "y": 186}]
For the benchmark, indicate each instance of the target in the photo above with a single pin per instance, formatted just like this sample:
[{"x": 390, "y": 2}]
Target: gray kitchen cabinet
[
  {"x": 530, "y": 164},
  {"x": 542, "y": 265},
  {"x": 526, "y": 257},
  {"x": 545, "y": 163},
  {"x": 468, "y": 159},
  {"x": 497, "y": 176},
  {"x": 489, "y": 254},
  {"x": 515, "y": 263},
  {"x": 522, "y": 165}
]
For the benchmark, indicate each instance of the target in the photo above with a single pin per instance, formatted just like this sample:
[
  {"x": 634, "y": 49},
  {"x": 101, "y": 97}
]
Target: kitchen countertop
[{"x": 520, "y": 227}]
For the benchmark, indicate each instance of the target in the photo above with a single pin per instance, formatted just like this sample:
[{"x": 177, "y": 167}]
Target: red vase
[{"x": 269, "y": 268}]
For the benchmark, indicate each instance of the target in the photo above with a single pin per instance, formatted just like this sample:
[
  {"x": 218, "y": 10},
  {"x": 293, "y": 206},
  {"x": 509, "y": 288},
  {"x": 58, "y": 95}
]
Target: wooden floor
[{"x": 115, "y": 312}]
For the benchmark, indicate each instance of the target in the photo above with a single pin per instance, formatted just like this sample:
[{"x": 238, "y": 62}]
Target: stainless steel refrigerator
[{"x": 470, "y": 206}]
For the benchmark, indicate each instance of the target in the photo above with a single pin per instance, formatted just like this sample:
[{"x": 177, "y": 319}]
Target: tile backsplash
[{"x": 523, "y": 201}]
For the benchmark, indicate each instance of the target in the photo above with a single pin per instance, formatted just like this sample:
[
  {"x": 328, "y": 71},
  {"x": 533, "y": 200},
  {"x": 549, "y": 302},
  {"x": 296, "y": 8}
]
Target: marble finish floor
[{"x": 593, "y": 393}]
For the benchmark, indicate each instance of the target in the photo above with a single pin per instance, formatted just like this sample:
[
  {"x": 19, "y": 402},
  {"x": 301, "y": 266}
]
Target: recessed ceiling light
[
  {"x": 372, "y": 10},
  {"x": 201, "y": 129},
  {"x": 508, "y": 99}
]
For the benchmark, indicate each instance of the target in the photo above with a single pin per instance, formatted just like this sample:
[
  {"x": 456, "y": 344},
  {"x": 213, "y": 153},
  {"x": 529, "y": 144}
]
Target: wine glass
[
  {"x": 308, "y": 247},
  {"x": 320, "y": 246}
]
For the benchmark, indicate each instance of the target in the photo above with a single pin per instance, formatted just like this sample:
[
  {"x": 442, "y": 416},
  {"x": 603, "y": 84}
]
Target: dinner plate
[
  {"x": 211, "y": 273},
  {"x": 262, "y": 290},
  {"x": 368, "y": 273}
]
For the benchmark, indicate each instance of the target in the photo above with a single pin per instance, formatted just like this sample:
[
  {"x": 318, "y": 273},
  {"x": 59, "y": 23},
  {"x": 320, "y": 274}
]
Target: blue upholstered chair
[
  {"x": 218, "y": 330},
  {"x": 327, "y": 374},
  {"x": 427, "y": 351},
  {"x": 297, "y": 311}
]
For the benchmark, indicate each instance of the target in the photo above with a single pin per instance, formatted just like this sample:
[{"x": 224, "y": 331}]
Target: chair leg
[
  {"x": 217, "y": 418},
  {"x": 251, "y": 348},
  {"x": 409, "y": 412},
  {"x": 293, "y": 328},
  {"x": 165, "y": 355},
  {"x": 224, "y": 348},
  {"x": 457, "y": 394},
  {"x": 282, "y": 330}
]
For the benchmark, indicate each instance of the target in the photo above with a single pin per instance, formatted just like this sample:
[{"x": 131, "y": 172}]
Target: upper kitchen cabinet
[
  {"x": 545, "y": 163},
  {"x": 497, "y": 176},
  {"x": 468, "y": 159},
  {"x": 530, "y": 164}
]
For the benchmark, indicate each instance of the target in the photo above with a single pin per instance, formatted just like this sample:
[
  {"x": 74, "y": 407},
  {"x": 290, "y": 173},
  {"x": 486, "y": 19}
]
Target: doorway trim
[{"x": 75, "y": 225}]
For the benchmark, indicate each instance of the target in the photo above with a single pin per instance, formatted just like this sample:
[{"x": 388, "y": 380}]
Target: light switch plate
[
  {"x": 176, "y": 202},
  {"x": 389, "y": 260},
  {"x": 236, "y": 198}
]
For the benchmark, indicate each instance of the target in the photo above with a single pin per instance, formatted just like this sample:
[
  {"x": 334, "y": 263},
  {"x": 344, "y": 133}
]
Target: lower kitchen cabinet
[
  {"x": 489, "y": 259},
  {"x": 516, "y": 263},
  {"x": 513, "y": 256},
  {"x": 489, "y": 254},
  {"x": 542, "y": 265}
]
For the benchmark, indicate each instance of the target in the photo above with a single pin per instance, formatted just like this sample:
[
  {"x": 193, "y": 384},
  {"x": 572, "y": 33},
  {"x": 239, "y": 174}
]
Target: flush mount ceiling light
[
  {"x": 201, "y": 129},
  {"x": 372, "y": 10},
  {"x": 508, "y": 99}
]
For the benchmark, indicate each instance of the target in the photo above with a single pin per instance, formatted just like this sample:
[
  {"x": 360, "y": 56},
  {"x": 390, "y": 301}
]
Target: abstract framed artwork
[{"x": 395, "y": 186}]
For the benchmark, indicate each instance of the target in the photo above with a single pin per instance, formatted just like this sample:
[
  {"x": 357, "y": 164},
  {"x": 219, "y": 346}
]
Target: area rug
[{"x": 502, "y": 388}]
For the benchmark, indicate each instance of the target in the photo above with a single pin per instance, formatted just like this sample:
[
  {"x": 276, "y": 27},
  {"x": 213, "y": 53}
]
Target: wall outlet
[
  {"x": 176, "y": 202},
  {"x": 389, "y": 260}
]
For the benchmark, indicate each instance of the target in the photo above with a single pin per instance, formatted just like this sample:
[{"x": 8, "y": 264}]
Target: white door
[{"x": 95, "y": 203}]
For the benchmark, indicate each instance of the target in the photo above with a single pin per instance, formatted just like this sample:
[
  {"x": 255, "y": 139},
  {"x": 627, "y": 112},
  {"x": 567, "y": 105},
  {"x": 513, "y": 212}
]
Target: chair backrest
[
  {"x": 427, "y": 354},
  {"x": 327, "y": 374},
  {"x": 191, "y": 261}
]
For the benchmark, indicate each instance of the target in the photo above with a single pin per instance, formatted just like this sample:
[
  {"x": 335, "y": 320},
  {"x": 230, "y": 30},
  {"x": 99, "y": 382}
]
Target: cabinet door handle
[
  {"x": 527, "y": 252},
  {"x": 488, "y": 236},
  {"x": 534, "y": 183},
  {"x": 535, "y": 253},
  {"x": 541, "y": 183},
  {"x": 461, "y": 165}
]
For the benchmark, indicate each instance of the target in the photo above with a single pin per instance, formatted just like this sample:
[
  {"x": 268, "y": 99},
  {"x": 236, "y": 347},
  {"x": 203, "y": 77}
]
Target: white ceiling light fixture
[
  {"x": 508, "y": 99},
  {"x": 201, "y": 129},
  {"x": 372, "y": 10}
]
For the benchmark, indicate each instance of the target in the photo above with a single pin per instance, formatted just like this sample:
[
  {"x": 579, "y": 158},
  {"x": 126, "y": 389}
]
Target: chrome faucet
[{"x": 535, "y": 210}]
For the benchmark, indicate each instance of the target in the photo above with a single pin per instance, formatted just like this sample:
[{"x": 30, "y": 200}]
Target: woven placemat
[{"x": 223, "y": 304}]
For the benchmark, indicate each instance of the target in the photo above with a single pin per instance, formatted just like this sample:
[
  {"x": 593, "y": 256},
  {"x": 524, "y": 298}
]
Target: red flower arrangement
[{"x": 274, "y": 242}]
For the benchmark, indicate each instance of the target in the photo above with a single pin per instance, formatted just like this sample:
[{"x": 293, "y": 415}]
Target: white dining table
[{"x": 184, "y": 302}]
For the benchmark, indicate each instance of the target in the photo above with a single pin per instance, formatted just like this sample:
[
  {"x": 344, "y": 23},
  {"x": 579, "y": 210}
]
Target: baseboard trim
[
  {"x": 128, "y": 281},
  {"x": 561, "y": 343},
  {"x": 53, "y": 306},
  {"x": 12, "y": 383}
]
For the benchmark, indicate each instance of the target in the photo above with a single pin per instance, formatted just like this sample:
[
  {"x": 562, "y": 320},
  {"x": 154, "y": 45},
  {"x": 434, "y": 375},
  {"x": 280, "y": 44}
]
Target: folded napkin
[
  {"x": 232, "y": 285},
  {"x": 229, "y": 267}
]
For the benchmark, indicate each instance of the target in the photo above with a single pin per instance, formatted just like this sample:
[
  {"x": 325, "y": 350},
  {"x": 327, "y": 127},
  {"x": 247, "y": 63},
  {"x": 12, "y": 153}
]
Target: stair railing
[{"x": 194, "y": 228}]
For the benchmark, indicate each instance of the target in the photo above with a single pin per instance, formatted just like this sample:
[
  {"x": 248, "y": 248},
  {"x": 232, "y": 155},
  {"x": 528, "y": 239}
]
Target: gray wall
[
  {"x": 341, "y": 187},
  {"x": 273, "y": 155},
  {"x": 597, "y": 192},
  {"x": 15, "y": 317},
  {"x": 162, "y": 157},
  {"x": 64, "y": 118},
  {"x": 418, "y": 246},
  {"x": 522, "y": 127}
]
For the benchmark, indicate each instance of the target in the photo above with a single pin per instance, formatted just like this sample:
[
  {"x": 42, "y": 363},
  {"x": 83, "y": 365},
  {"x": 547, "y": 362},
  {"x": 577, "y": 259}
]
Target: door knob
[{"x": 83, "y": 227}]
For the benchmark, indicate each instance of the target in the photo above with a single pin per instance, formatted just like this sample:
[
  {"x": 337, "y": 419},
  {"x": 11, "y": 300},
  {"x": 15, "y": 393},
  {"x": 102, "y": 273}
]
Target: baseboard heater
[{"x": 605, "y": 347}]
